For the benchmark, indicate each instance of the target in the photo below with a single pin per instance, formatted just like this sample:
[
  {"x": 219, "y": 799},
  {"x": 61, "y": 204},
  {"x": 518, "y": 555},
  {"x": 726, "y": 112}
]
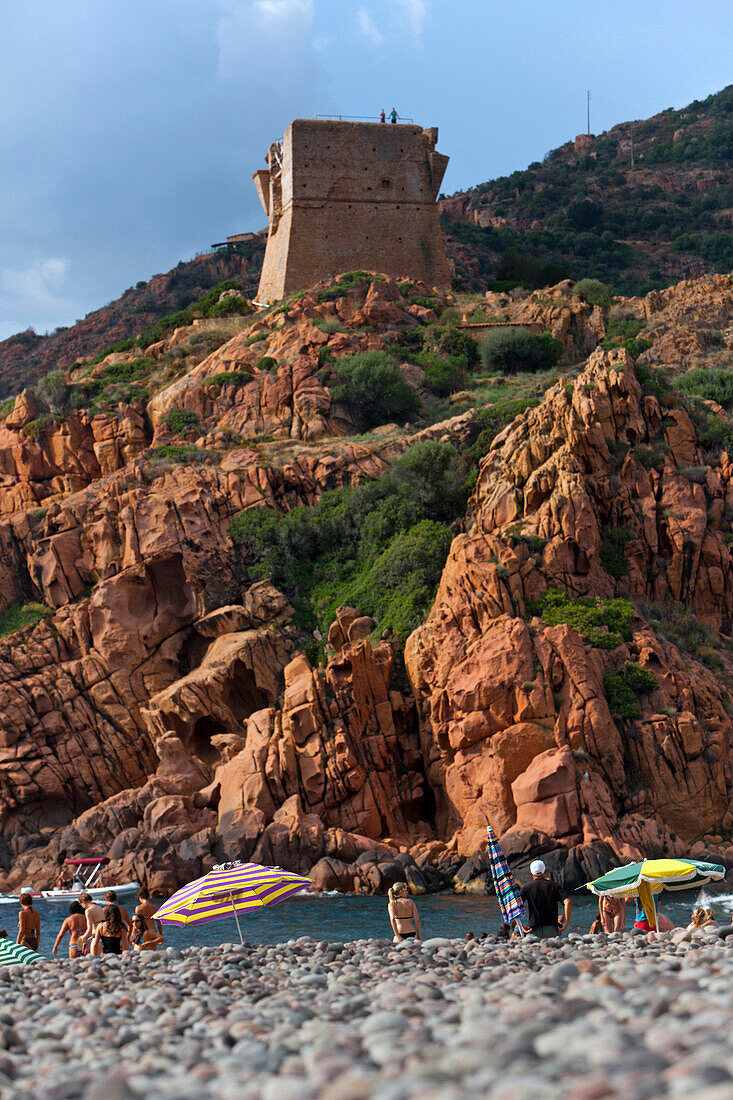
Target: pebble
[{"x": 583, "y": 1018}]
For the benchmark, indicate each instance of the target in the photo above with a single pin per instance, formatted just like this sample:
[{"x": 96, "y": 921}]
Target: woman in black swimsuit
[{"x": 110, "y": 937}]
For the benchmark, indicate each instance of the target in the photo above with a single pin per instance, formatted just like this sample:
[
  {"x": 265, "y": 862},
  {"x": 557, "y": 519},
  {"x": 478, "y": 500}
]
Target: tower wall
[{"x": 344, "y": 196}]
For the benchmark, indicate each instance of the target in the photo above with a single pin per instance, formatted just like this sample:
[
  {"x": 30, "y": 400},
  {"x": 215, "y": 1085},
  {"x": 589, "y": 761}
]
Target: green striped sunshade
[
  {"x": 12, "y": 954},
  {"x": 660, "y": 874}
]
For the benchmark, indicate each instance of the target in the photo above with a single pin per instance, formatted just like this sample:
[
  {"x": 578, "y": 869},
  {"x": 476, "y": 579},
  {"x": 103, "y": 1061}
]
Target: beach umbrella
[
  {"x": 511, "y": 905},
  {"x": 231, "y": 888},
  {"x": 649, "y": 877},
  {"x": 13, "y": 954}
]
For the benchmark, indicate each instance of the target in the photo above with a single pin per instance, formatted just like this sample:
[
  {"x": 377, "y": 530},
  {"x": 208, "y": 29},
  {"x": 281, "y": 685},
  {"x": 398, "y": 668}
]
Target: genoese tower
[{"x": 347, "y": 196}]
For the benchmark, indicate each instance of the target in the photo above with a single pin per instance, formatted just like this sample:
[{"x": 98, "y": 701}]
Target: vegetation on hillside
[{"x": 589, "y": 213}]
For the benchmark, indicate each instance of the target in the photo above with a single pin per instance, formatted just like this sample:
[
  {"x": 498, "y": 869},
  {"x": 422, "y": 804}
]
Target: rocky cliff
[{"x": 169, "y": 703}]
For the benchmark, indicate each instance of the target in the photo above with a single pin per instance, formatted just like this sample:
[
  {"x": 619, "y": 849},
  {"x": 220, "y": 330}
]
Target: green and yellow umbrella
[{"x": 646, "y": 879}]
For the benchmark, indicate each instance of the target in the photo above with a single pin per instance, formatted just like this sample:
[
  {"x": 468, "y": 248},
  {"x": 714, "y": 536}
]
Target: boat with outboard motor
[{"x": 84, "y": 874}]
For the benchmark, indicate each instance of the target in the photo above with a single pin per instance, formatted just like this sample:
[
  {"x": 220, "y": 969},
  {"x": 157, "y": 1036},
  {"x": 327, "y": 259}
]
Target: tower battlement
[{"x": 345, "y": 196}]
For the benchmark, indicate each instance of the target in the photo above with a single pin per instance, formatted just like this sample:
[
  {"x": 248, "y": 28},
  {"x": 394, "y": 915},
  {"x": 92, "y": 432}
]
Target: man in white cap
[{"x": 542, "y": 898}]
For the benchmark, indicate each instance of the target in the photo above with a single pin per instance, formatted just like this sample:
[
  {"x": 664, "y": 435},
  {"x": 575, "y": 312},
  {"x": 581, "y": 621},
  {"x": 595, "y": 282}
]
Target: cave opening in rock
[
  {"x": 242, "y": 695},
  {"x": 201, "y": 746}
]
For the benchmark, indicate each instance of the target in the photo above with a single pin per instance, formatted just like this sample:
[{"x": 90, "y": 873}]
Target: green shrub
[
  {"x": 181, "y": 421},
  {"x": 6, "y": 407},
  {"x": 712, "y": 384},
  {"x": 180, "y": 453},
  {"x": 449, "y": 340},
  {"x": 346, "y": 283},
  {"x": 603, "y": 623},
  {"x": 613, "y": 558},
  {"x": 230, "y": 378},
  {"x": 229, "y": 306},
  {"x": 332, "y": 325},
  {"x": 624, "y": 685},
  {"x": 508, "y": 350},
  {"x": 34, "y": 429},
  {"x": 594, "y": 292},
  {"x": 266, "y": 362},
  {"x": 20, "y": 615},
  {"x": 380, "y": 546},
  {"x": 54, "y": 390},
  {"x": 372, "y": 388},
  {"x": 256, "y": 339},
  {"x": 445, "y": 376}
]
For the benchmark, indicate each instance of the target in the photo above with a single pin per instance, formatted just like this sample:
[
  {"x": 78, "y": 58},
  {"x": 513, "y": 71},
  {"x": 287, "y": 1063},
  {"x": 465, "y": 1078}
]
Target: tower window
[{"x": 386, "y": 183}]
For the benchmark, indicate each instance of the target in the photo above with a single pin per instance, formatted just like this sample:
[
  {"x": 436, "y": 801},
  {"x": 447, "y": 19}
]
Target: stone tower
[{"x": 350, "y": 196}]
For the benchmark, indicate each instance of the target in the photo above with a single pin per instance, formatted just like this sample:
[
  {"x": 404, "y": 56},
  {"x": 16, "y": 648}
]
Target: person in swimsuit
[
  {"x": 146, "y": 909},
  {"x": 29, "y": 924},
  {"x": 94, "y": 916},
  {"x": 110, "y": 937},
  {"x": 612, "y": 913},
  {"x": 74, "y": 924},
  {"x": 403, "y": 915},
  {"x": 142, "y": 938},
  {"x": 111, "y": 898}
]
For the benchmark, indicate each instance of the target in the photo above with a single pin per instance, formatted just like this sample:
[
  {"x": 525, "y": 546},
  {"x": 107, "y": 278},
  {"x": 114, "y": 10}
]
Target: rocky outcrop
[
  {"x": 558, "y": 310},
  {"x": 516, "y": 723}
]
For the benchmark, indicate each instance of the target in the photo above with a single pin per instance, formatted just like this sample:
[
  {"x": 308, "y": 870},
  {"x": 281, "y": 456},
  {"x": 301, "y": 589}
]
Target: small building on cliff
[{"x": 347, "y": 196}]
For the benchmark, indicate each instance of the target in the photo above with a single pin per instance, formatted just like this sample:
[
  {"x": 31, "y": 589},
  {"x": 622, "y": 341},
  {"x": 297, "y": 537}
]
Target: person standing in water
[
  {"x": 403, "y": 914},
  {"x": 142, "y": 938},
  {"x": 29, "y": 924},
  {"x": 74, "y": 924},
  {"x": 612, "y": 913},
  {"x": 146, "y": 909}
]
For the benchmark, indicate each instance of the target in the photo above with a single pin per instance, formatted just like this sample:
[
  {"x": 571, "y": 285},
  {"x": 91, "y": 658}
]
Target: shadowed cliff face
[{"x": 570, "y": 683}]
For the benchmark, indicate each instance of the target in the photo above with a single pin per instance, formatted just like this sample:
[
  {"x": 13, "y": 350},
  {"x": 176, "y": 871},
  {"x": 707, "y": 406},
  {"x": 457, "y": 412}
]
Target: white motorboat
[{"x": 85, "y": 873}]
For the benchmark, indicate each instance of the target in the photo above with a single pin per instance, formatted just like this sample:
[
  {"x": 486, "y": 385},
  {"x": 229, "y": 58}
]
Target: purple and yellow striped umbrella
[
  {"x": 231, "y": 888},
  {"x": 511, "y": 905}
]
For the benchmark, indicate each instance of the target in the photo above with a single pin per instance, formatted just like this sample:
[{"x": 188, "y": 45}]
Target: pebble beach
[{"x": 583, "y": 1018}]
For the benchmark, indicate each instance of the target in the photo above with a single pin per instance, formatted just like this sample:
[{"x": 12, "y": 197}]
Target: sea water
[{"x": 339, "y": 917}]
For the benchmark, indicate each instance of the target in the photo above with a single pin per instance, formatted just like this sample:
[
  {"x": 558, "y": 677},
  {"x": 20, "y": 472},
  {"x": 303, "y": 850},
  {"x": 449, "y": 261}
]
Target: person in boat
[
  {"x": 110, "y": 936},
  {"x": 111, "y": 898},
  {"x": 143, "y": 938},
  {"x": 64, "y": 880},
  {"x": 147, "y": 910},
  {"x": 74, "y": 924},
  {"x": 403, "y": 914},
  {"x": 94, "y": 915},
  {"x": 29, "y": 924}
]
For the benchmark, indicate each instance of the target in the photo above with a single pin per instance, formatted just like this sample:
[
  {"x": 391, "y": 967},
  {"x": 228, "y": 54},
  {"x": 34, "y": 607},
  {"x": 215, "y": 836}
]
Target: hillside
[
  {"x": 323, "y": 587},
  {"x": 589, "y": 212},
  {"x": 28, "y": 356}
]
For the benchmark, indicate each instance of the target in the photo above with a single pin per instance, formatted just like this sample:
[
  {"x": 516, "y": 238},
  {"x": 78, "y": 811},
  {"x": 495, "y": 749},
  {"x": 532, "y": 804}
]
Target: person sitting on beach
[
  {"x": 74, "y": 924},
  {"x": 701, "y": 918},
  {"x": 29, "y": 924},
  {"x": 147, "y": 910},
  {"x": 142, "y": 938},
  {"x": 542, "y": 898},
  {"x": 111, "y": 898},
  {"x": 612, "y": 913},
  {"x": 664, "y": 924},
  {"x": 709, "y": 919},
  {"x": 110, "y": 937},
  {"x": 403, "y": 915},
  {"x": 94, "y": 916}
]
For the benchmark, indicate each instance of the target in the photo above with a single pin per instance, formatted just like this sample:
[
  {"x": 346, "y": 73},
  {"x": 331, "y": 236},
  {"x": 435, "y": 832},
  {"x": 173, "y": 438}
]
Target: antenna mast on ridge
[{"x": 587, "y": 108}]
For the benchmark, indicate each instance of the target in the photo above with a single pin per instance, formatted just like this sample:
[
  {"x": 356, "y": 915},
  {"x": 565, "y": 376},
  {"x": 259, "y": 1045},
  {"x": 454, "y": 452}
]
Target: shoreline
[{"x": 625, "y": 1016}]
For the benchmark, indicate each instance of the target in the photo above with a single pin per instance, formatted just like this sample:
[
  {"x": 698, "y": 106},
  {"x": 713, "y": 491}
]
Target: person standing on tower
[
  {"x": 382, "y": 116},
  {"x": 393, "y": 116}
]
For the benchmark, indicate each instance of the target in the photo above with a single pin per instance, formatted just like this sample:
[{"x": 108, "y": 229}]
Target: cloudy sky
[{"x": 129, "y": 130}]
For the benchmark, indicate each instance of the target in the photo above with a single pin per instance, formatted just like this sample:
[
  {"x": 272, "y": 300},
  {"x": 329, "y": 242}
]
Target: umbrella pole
[{"x": 236, "y": 917}]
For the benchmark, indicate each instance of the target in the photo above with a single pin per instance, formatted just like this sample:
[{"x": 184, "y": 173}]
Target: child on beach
[
  {"x": 403, "y": 915},
  {"x": 29, "y": 924},
  {"x": 701, "y": 918}
]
